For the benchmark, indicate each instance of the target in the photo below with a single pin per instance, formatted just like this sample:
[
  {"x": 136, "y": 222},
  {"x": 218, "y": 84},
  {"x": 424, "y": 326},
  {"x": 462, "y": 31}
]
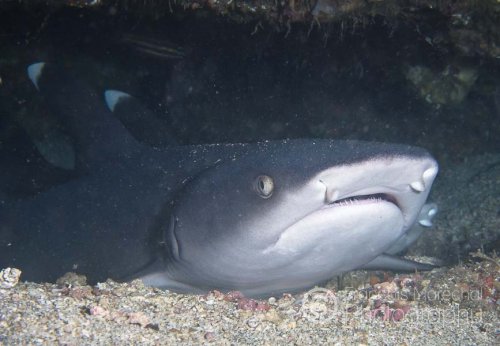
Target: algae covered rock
[{"x": 448, "y": 87}]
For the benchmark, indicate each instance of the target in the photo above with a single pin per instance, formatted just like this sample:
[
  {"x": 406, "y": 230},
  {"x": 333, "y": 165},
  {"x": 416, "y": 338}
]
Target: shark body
[{"x": 262, "y": 218}]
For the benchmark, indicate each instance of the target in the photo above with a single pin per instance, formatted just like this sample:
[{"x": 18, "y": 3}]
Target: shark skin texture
[{"x": 263, "y": 218}]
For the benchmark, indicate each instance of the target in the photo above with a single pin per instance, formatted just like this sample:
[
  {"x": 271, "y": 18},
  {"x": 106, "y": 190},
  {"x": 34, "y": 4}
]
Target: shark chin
[{"x": 339, "y": 229}]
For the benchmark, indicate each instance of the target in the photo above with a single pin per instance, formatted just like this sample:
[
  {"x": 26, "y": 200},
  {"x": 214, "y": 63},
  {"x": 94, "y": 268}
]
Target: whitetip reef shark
[{"x": 262, "y": 218}]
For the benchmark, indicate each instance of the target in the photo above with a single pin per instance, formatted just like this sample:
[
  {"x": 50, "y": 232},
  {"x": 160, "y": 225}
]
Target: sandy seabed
[{"x": 443, "y": 307}]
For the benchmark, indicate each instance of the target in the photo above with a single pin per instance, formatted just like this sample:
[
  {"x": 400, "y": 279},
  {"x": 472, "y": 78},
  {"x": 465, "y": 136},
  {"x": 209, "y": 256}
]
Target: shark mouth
[{"x": 362, "y": 199}]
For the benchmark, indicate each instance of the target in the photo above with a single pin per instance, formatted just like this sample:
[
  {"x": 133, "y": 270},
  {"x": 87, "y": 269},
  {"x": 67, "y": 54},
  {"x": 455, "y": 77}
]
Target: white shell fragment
[{"x": 9, "y": 277}]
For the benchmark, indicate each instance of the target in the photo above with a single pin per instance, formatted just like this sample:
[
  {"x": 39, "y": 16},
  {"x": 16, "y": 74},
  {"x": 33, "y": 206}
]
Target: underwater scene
[{"x": 250, "y": 172}]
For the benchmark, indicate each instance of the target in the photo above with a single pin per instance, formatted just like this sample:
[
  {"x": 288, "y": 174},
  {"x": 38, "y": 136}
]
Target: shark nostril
[
  {"x": 430, "y": 173},
  {"x": 427, "y": 176},
  {"x": 418, "y": 186},
  {"x": 331, "y": 194}
]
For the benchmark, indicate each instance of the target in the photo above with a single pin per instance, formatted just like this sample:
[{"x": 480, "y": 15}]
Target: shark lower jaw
[{"x": 353, "y": 218}]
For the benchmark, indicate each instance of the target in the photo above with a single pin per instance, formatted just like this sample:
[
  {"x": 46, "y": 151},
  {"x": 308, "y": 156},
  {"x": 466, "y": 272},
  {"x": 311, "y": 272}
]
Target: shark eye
[{"x": 264, "y": 185}]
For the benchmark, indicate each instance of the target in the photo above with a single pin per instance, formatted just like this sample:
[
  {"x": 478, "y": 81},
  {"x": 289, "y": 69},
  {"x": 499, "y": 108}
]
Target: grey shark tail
[{"x": 99, "y": 136}]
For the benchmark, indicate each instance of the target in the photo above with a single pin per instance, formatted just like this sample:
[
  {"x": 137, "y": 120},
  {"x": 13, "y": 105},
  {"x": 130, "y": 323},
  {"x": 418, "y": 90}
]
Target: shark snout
[
  {"x": 403, "y": 181},
  {"x": 426, "y": 180}
]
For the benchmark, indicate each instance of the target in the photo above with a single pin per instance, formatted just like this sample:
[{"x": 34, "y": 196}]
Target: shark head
[{"x": 286, "y": 215}]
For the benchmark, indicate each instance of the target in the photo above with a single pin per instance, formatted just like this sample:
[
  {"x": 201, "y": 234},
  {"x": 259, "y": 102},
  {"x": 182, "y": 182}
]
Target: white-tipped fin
[
  {"x": 34, "y": 72},
  {"x": 427, "y": 214},
  {"x": 112, "y": 97}
]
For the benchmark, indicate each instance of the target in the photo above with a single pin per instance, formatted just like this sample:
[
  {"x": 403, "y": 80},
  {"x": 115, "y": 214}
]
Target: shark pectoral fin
[
  {"x": 162, "y": 281},
  {"x": 99, "y": 136},
  {"x": 394, "y": 263},
  {"x": 156, "y": 275},
  {"x": 141, "y": 121}
]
